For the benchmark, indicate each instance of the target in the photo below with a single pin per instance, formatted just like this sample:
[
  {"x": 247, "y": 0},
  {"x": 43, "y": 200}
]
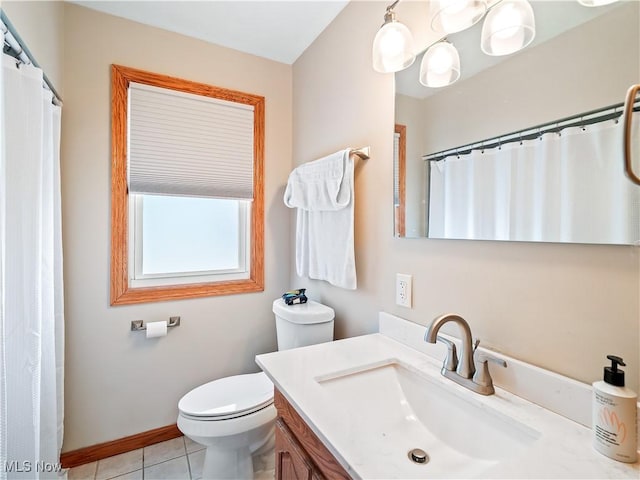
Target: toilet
[{"x": 234, "y": 417}]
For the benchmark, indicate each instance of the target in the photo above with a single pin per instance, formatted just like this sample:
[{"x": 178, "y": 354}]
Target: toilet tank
[{"x": 302, "y": 324}]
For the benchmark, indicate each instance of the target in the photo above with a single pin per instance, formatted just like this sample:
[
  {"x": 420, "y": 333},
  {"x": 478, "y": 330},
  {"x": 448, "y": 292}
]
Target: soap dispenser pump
[{"x": 614, "y": 415}]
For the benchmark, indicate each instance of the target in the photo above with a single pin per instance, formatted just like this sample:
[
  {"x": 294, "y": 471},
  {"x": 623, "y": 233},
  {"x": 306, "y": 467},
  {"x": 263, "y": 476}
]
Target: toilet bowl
[{"x": 234, "y": 417}]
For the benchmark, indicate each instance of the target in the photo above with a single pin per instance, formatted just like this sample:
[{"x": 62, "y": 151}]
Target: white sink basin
[
  {"x": 407, "y": 409},
  {"x": 372, "y": 399}
]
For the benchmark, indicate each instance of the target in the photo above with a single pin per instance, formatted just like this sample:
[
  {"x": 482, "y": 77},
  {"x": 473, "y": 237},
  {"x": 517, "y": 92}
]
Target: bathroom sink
[
  {"x": 371, "y": 400},
  {"x": 407, "y": 409}
]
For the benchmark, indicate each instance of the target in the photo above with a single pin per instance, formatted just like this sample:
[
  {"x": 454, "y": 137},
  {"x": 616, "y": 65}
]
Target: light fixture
[
  {"x": 456, "y": 15},
  {"x": 393, "y": 48},
  {"x": 440, "y": 65},
  {"x": 508, "y": 27},
  {"x": 595, "y": 3}
]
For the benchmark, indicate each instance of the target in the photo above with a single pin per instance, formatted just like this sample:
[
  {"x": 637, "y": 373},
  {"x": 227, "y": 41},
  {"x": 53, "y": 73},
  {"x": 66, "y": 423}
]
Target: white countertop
[{"x": 563, "y": 449}]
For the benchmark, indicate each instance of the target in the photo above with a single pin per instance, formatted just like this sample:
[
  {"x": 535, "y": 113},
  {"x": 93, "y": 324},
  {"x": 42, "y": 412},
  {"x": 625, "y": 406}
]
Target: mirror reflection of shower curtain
[
  {"x": 557, "y": 188},
  {"x": 31, "y": 297}
]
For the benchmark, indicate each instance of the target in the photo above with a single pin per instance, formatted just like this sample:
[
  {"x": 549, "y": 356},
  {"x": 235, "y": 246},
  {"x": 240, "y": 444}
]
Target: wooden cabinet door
[{"x": 292, "y": 462}]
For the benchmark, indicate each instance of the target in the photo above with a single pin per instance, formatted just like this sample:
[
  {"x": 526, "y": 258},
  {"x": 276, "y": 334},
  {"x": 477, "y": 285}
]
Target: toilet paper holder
[{"x": 138, "y": 325}]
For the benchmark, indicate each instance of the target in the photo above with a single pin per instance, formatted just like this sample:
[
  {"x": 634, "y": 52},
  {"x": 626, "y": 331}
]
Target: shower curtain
[
  {"x": 31, "y": 297},
  {"x": 567, "y": 187}
]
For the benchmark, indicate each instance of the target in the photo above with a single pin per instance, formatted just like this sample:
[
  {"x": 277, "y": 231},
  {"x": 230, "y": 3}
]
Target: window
[
  {"x": 187, "y": 195},
  {"x": 181, "y": 240}
]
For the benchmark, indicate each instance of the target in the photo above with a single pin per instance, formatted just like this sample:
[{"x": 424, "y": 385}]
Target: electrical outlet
[{"x": 403, "y": 290}]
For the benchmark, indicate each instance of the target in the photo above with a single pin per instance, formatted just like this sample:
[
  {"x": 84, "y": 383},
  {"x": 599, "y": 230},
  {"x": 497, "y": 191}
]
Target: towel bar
[
  {"x": 362, "y": 152},
  {"x": 628, "y": 111}
]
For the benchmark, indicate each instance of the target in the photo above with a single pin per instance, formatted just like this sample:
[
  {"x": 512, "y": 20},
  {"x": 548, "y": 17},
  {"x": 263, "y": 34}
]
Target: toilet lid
[{"x": 229, "y": 396}]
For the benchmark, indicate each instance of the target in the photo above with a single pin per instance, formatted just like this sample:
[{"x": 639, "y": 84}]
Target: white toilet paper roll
[{"x": 156, "y": 329}]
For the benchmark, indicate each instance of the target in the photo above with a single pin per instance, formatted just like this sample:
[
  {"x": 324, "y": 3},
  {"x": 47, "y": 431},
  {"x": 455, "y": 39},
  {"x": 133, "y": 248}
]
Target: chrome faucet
[{"x": 463, "y": 371}]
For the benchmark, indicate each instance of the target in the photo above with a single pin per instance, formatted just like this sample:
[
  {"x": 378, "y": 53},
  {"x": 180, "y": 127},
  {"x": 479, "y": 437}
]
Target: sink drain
[{"x": 418, "y": 455}]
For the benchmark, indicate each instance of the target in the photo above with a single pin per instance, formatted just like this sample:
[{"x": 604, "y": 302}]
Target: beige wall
[
  {"x": 117, "y": 382},
  {"x": 41, "y": 27},
  {"x": 562, "y": 307}
]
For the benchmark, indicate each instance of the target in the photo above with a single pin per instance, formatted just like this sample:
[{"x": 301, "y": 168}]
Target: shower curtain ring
[{"x": 582, "y": 124}]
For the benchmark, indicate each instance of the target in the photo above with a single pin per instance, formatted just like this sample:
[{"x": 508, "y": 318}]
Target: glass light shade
[
  {"x": 440, "y": 65},
  {"x": 595, "y": 3},
  {"x": 393, "y": 48},
  {"x": 508, "y": 27},
  {"x": 456, "y": 15}
]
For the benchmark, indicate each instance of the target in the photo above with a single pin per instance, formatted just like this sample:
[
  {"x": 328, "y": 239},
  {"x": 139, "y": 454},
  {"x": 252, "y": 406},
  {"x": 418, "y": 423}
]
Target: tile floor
[{"x": 177, "y": 459}]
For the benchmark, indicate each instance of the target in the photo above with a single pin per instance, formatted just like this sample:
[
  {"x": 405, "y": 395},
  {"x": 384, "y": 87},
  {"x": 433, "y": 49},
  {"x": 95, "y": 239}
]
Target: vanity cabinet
[
  {"x": 292, "y": 461},
  {"x": 300, "y": 455}
]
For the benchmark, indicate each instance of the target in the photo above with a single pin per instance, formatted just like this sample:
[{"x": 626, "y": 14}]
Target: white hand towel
[{"x": 323, "y": 193}]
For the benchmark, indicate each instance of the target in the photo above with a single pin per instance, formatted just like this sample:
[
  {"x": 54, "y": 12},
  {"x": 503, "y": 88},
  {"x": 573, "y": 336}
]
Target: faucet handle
[
  {"x": 482, "y": 375},
  {"x": 451, "y": 360}
]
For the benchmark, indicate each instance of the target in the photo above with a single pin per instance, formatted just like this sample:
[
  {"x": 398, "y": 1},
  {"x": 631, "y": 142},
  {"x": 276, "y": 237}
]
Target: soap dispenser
[{"x": 614, "y": 415}]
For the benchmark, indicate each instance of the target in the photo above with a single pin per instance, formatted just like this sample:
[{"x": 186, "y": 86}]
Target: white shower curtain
[
  {"x": 558, "y": 188},
  {"x": 31, "y": 297}
]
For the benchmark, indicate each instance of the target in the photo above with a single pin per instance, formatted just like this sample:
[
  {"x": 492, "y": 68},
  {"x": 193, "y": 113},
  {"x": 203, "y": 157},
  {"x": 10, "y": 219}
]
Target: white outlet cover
[{"x": 403, "y": 290}]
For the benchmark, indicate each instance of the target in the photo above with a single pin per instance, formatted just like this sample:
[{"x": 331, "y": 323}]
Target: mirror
[{"x": 582, "y": 59}]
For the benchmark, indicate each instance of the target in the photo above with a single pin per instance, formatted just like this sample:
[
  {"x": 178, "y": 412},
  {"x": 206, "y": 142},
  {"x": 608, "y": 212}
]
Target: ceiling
[
  {"x": 277, "y": 30},
  {"x": 281, "y": 30}
]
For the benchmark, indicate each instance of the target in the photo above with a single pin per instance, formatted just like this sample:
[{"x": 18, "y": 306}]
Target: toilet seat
[{"x": 228, "y": 397}]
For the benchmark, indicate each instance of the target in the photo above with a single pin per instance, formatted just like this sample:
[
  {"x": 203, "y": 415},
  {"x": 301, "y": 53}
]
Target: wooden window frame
[
  {"x": 400, "y": 211},
  {"x": 121, "y": 292}
]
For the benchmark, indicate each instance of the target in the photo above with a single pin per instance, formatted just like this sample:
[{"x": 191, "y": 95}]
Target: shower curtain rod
[
  {"x": 532, "y": 133},
  {"x": 15, "y": 46}
]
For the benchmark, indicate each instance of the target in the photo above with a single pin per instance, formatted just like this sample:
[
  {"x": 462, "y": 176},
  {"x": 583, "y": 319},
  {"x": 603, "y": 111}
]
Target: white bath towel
[{"x": 323, "y": 193}]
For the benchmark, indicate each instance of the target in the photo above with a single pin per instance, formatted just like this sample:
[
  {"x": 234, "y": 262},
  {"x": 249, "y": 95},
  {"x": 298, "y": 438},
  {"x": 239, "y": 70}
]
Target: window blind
[{"x": 186, "y": 144}]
